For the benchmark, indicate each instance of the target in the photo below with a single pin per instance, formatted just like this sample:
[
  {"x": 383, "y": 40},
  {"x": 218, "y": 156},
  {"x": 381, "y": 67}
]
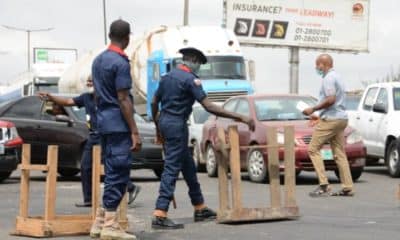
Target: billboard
[
  {"x": 321, "y": 24},
  {"x": 54, "y": 55}
]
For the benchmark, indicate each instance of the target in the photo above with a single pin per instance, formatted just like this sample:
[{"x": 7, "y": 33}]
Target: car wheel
[
  {"x": 196, "y": 157},
  {"x": 256, "y": 166},
  {"x": 392, "y": 160},
  {"x": 4, "y": 175},
  {"x": 158, "y": 172},
  {"x": 355, "y": 173},
  {"x": 211, "y": 162},
  {"x": 68, "y": 172}
]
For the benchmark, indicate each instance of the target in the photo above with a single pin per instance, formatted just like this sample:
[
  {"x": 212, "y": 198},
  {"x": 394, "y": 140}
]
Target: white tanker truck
[{"x": 156, "y": 53}]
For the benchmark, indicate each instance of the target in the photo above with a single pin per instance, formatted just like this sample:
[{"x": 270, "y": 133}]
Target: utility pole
[
  {"x": 28, "y": 32},
  {"x": 294, "y": 69},
  {"x": 186, "y": 13},
  {"x": 105, "y": 22}
]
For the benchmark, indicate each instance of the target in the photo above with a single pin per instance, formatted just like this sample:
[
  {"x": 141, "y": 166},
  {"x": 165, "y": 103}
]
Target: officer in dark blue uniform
[
  {"x": 116, "y": 125},
  {"x": 177, "y": 92},
  {"x": 87, "y": 100}
]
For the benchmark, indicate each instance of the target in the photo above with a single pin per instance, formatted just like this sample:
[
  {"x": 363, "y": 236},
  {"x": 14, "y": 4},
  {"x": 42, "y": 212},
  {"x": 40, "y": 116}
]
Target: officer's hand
[
  {"x": 313, "y": 120},
  {"x": 249, "y": 122},
  {"x": 136, "y": 142},
  {"x": 44, "y": 96},
  {"x": 159, "y": 139}
]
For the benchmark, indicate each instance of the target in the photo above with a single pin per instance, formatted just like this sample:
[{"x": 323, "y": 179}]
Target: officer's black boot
[
  {"x": 204, "y": 214},
  {"x": 165, "y": 223}
]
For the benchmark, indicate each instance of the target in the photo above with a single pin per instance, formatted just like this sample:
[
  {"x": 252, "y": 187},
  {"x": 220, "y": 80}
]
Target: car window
[
  {"x": 243, "y": 107},
  {"x": 382, "y": 97},
  {"x": 50, "y": 110},
  {"x": 230, "y": 105},
  {"x": 200, "y": 115},
  {"x": 396, "y": 98},
  {"x": 369, "y": 98},
  {"x": 25, "y": 108},
  {"x": 351, "y": 102}
]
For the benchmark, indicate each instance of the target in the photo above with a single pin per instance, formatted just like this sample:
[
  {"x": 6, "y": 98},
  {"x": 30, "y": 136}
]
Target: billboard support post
[{"x": 294, "y": 69}]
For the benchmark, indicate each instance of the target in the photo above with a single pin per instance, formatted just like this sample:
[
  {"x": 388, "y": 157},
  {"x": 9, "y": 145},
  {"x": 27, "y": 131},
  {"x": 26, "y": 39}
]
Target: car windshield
[
  {"x": 396, "y": 98},
  {"x": 282, "y": 108},
  {"x": 351, "y": 102},
  {"x": 200, "y": 115},
  {"x": 221, "y": 67}
]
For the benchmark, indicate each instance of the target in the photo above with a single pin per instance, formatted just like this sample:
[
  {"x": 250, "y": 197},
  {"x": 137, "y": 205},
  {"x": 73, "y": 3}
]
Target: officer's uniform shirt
[
  {"x": 177, "y": 92},
  {"x": 87, "y": 100},
  {"x": 111, "y": 72}
]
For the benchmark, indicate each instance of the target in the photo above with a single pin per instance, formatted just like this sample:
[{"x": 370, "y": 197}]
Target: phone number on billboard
[
  {"x": 315, "y": 39},
  {"x": 312, "y": 35},
  {"x": 314, "y": 31}
]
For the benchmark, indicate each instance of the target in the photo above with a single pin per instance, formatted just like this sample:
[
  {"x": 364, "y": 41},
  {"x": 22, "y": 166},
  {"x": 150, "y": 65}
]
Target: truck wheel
[
  {"x": 355, "y": 173},
  {"x": 4, "y": 175},
  {"x": 211, "y": 162},
  {"x": 256, "y": 166},
  {"x": 392, "y": 160}
]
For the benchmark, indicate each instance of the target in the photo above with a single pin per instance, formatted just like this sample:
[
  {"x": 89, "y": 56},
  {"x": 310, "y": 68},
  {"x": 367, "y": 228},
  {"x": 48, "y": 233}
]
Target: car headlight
[{"x": 354, "y": 137}]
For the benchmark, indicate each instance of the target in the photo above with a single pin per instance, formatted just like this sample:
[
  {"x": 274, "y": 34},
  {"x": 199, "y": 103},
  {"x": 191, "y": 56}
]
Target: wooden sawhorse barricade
[
  {"x": 235, "y": 212},
  {"x": 50, "y": 224}
]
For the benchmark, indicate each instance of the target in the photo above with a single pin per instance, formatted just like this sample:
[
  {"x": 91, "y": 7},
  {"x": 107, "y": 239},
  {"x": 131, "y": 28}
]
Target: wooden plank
[
  {"x": 235, "y": 167},
  {"x": 273, "y": 168},
  {"x": 96, "y": 165},
  {"x": 258, "y": 214},
  {"x": 51, "y": 182},
  {"x": 261, "y": 146},
  {"x": 123, "y": 209},
  {"x": 223, "y": 184},
  {"x": 290, "y": 171},
  {"x": 35, "y": 167},
  {"x": 24, "y": 188}
]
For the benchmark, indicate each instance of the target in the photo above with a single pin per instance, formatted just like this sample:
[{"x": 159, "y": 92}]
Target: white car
[{"x": 196, "y": 121}]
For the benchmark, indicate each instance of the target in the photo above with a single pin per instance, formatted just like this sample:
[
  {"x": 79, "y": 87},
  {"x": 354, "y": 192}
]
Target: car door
[
  {"x": 243, "y": 108},
  {"x": 379, "y": 121},
  {"x": 68, "y": 136},
  {"x": 364, "y": 118},
  {"x": 25, "y": 114}
]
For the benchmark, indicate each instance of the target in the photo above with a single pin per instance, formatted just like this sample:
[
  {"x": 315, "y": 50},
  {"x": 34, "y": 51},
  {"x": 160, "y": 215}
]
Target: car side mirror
[
  {"x": 379, "y": 108},
  {"x": 64, "y": 118}
]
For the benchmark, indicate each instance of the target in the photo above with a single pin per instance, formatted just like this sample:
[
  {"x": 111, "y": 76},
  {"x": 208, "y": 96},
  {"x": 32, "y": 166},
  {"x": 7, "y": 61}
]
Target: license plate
[
  {"x": 327, "y": 154},
  {"x": 2, "y": 149}
]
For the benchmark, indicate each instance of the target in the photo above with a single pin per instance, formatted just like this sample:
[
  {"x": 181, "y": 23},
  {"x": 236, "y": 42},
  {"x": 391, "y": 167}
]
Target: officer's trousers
[
  {"x": 178, "y": 157},
  {"x": 117, "y": 159},
  {"x": 86, "y": 167}
]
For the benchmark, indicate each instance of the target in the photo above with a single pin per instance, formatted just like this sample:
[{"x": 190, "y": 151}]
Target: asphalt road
[{"x": 373, "y": 213}]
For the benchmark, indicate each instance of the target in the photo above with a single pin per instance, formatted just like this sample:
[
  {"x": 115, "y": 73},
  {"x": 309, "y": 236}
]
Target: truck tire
[
  {"x": 256, "y": 167},
  {"x": 211, "y": 162},
  {"x": 392, "y": 159},
  {"x": 4, "y": 175}
]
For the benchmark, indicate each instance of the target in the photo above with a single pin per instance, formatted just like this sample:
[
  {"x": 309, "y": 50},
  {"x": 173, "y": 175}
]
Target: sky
[{"x": 79, "y": 24}]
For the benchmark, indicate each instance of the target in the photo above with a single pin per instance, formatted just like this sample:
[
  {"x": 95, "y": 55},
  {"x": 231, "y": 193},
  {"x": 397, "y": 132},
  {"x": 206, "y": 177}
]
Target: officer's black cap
[{"x": 195, "y": 52}]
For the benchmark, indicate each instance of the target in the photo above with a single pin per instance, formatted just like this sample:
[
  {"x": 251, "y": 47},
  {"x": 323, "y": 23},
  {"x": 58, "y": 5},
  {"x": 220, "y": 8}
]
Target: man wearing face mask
[
  {"x": 87, "y": 100},
  {"x": 177, "y": 92},
  {"x": 330, "y": 128}
]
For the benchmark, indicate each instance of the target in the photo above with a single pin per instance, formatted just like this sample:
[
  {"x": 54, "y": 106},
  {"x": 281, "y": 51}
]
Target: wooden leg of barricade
[
  {"x": 235, "y": 168},
  {"x": 290, "y": 171},
  {"x": 222, "y": 174},
  {"x": 273, "y": 168}
]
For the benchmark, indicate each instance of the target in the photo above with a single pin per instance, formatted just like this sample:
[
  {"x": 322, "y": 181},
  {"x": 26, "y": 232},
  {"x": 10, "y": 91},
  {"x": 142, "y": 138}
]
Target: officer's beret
[{"x": 194, "y": 51}]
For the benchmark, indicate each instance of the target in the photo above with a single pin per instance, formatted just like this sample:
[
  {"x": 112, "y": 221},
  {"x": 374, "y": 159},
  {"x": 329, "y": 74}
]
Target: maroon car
[{"x": 277, "y": 111}]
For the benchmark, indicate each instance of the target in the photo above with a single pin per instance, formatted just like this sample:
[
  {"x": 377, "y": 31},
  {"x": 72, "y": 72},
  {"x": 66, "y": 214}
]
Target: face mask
[
  {"x": 193, "y": 66},
  {"x": 319, "y": 72}
]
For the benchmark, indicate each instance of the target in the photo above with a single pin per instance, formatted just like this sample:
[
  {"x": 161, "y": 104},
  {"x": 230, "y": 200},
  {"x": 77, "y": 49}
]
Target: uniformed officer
[
  {"x": 86, "y": 100},
  {"x": 116, "y": 125},
  {"x": 177, "y": 92}
]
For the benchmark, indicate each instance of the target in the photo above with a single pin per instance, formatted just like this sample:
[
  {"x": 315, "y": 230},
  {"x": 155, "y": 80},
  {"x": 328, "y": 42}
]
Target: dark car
[
  {"x": 276, "y": 111},
  {"x": 10, "y": 149},
  {"x": 38, "y": 126}
]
